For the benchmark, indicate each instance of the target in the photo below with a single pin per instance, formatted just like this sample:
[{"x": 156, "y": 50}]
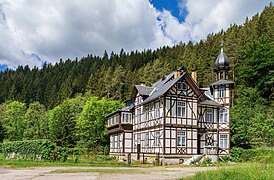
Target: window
[
  {"x": 223, "y": 116},
  {"x": 138, "y": 138},
  {"x": 109, "y": 121},
  {"x": 223, "y": 141},
  {"x": 221, "y": 91},
  {"x": 181, "y": 138},
  {"x": 157, "y": 110},
  {"x": 209, "y": 116},
  {"x": 126, "y": 118},
  {"x": 181, "y": 108},
  {"x": 113, "y": 141},
  {"x": 181, "y": 86},
  {"x": 146, "y": 139},
  {"x": 115, "y": 119},
  {"x": 157, "y": 138},
  {"x": 138, "y": 115},
  {"x": 145, "y": 110},
  {"x": 118, "y": 141}
]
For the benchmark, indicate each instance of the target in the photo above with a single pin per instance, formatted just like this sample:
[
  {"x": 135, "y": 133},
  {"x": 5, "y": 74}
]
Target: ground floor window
[
  {"x": 224, "y": 141},
  {"x": 113, "y": 141},
  {"x": 118, "y": 141},
  {"x": 181, "y": 138}
]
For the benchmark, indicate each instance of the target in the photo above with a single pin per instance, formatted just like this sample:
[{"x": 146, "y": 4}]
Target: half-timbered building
[{"x": 174, "y": 119}]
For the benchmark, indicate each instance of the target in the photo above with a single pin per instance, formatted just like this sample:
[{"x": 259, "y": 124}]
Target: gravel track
[{"x": 46, "y": 173}]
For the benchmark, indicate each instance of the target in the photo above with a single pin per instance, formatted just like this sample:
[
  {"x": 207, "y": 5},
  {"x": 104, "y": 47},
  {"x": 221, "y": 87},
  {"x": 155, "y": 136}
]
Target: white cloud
[
  {"x": 207, "y": 16},
  {"x": 33, "y": 31}
]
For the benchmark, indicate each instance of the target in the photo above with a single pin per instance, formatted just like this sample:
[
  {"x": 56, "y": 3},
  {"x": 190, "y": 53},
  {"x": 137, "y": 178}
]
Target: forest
[{"x": 67, "y": 102}]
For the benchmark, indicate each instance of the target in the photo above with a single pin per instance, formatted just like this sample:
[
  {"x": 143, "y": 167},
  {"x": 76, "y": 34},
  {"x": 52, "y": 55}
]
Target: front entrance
[{"x": 138, "y": 151}]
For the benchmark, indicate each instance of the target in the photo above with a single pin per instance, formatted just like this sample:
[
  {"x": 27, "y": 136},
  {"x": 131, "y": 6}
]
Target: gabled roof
[
  {"x": 210, "y": 103},
  {"x": 144, "y": 90},
  {"x": 160, "y": 91},
  {"x": 222, "y": 82}
]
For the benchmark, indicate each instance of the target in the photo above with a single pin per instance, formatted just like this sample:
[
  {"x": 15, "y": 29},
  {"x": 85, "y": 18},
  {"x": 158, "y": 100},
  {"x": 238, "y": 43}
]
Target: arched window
[{"x": 182, "y": 86}]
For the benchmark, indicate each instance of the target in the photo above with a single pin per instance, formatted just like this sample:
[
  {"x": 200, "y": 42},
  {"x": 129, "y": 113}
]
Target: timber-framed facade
[{"x": 174, "y": 119}]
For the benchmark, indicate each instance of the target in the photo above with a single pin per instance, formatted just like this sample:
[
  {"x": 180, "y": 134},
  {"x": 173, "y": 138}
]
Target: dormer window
[
  {"x": 221, "y": 91},
  {"x": 181, "y": 86}
]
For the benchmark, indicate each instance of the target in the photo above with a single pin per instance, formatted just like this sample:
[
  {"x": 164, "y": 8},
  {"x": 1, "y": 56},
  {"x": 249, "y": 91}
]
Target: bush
[
  {"x": 265, "y": 155},
  {"x": 60, "y": 154},
  {"x": 30, "y": 149},
  {"x": 76, "y": 153},
  {"x": 236, "y": 154}
]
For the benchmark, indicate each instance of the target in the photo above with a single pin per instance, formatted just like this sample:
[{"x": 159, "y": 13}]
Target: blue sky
[
  {"x": 173, "y": 6},
  {"x": 2, "y": 67},
  {"x": 33, "y": 32}
]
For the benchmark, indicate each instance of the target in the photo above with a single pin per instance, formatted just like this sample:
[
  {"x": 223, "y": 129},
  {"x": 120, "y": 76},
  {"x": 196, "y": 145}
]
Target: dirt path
[{"x": 121, "y": 173}]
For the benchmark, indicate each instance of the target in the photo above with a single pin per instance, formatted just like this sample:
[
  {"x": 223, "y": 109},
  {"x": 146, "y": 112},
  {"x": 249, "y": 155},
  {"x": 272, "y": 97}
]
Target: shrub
[
  {"x": 76, "y": 153},
  {"x": 236, "y": 154},
  {"x": 60, "y": 154},
  {"x": 265, "y": 155},
  {"x": 28, "y": 149}
]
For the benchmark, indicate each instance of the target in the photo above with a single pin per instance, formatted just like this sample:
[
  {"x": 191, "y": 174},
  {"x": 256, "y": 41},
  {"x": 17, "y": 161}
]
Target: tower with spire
[{"x": 222, "y": 93}]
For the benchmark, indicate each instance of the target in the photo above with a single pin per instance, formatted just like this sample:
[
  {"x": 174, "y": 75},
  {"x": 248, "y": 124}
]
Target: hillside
[
  {"x": 249, "y": 47},
  {"x": 114, "y": 75}
]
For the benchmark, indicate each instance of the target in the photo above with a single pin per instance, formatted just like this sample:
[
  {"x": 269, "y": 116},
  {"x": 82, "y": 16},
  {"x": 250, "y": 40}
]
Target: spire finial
[{"x": 222, "y": 46}]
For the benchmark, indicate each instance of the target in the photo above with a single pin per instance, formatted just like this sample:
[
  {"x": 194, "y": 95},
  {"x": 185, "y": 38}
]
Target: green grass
[
  {"x": 241, "y": 171},
  {"x": 83, "y": 162}
]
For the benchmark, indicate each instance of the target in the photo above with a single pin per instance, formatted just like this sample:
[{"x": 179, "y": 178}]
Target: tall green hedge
[{"x": 29, "y": 149}]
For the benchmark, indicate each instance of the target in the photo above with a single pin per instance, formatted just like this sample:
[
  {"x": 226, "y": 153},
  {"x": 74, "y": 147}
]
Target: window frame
[
  {"x": 126, "y": 117},
  {"x": 139, "y": 138},
  {"x": 223, "y": 141},
  {"x": 157, "y": 138},
  {"x": 181, "y": 109},
  {"x": 118, "y": 141},
  {"x": 157, "y": 109},
  {"x": 146, "y": 143},
  {"x": 181, "y": 138},
  {"x": 221, "y": 91},
  {"x": 113, "y": 142},
  {"x": 223, "y": 115},
  {"x": 209, "y": 116},
  {"x": 182, "y": 86},
  {"x": 139, "y": 113}
]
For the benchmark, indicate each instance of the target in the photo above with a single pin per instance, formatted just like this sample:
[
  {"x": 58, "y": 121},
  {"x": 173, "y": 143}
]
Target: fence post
[{"x": 129, "y": 158}]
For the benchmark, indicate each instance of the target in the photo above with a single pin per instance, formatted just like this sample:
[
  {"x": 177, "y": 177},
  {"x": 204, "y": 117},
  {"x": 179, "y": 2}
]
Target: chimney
[
  {"x": 194, "y": 75},
  {"x": 142, "y": 84},
  {"x": 176, "y": 74}
]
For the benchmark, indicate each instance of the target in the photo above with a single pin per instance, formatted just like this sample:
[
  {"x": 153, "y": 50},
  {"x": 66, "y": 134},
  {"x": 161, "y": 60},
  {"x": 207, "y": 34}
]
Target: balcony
[{"x": 120, "y": 121}]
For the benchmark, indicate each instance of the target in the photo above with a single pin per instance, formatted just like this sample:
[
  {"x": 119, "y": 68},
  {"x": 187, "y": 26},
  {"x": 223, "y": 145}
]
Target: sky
[{"x": 33, "y": 32}]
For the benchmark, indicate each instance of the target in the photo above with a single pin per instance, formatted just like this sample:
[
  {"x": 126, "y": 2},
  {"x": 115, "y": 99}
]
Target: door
[{"x": 138, "y": 151}]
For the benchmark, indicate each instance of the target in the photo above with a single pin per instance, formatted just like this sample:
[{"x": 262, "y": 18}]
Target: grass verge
[{"x": 241, "y": 171}]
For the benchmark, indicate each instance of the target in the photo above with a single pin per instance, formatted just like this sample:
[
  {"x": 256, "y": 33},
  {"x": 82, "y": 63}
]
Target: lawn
[
  {"x": 241, "y": 171},
  {"x": 84, "y": 162}
]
